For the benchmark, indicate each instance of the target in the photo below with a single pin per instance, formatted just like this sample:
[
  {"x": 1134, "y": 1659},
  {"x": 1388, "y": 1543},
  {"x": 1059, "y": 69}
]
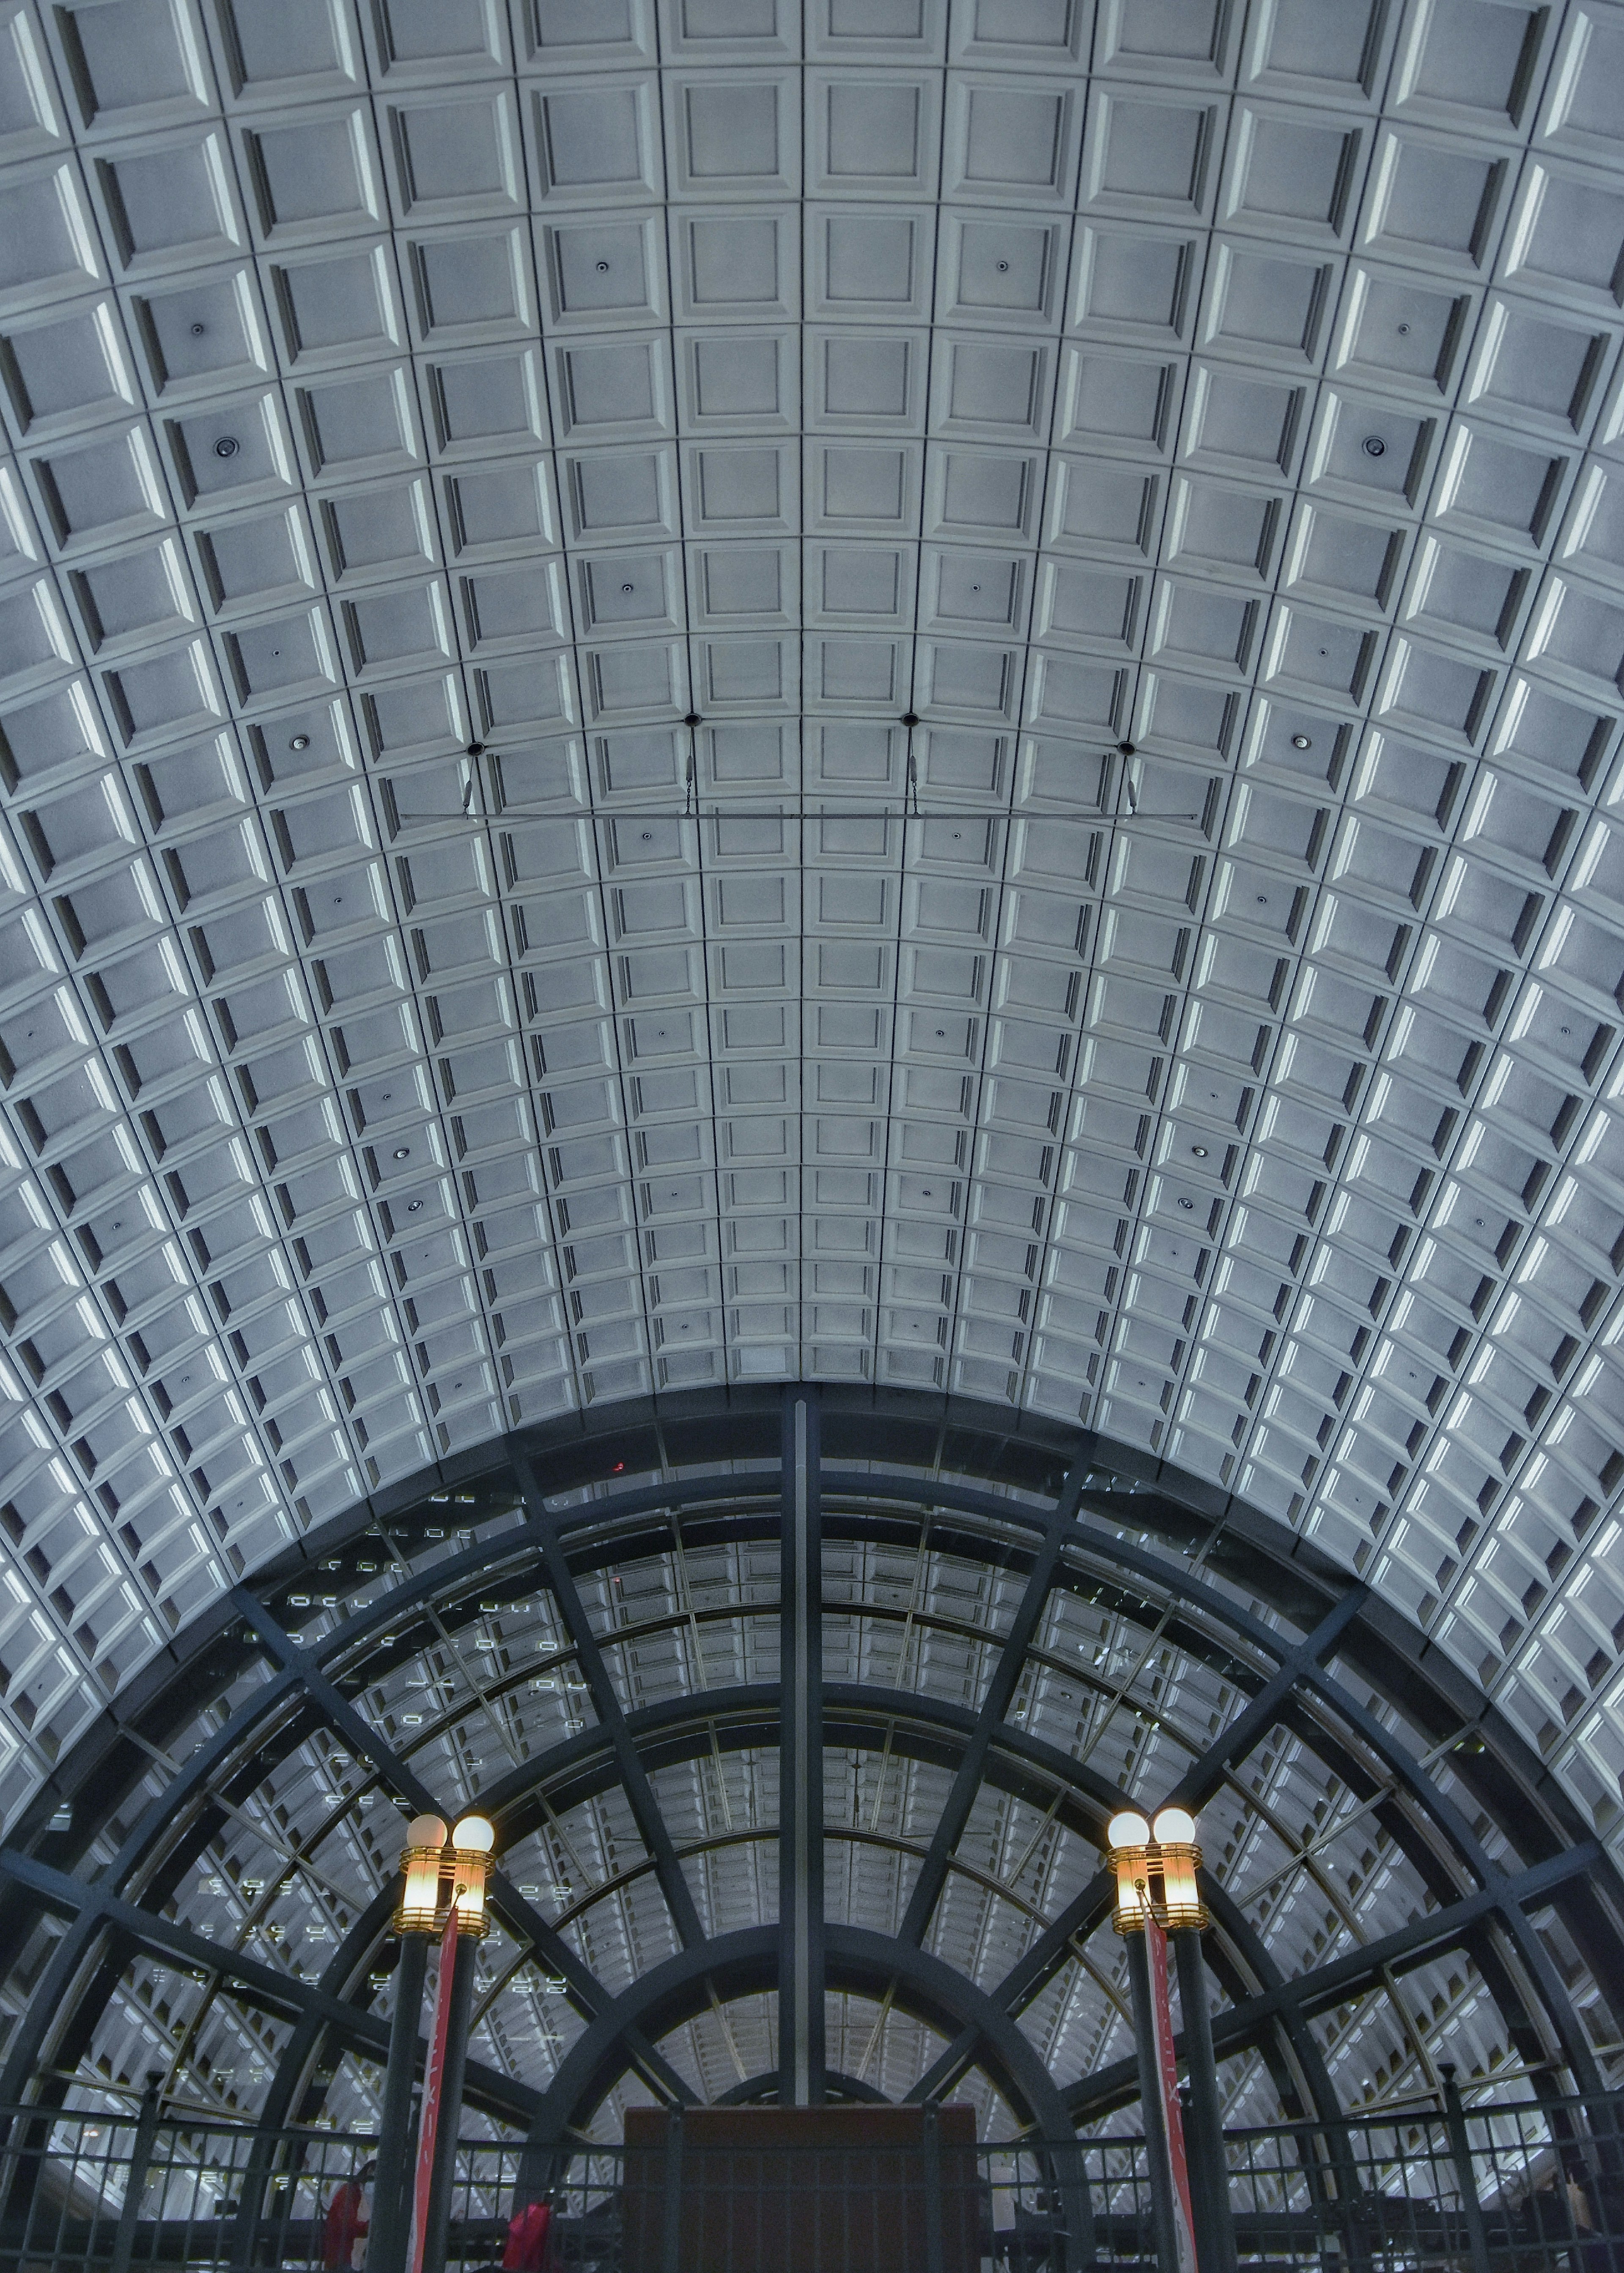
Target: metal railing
[{"x": 1524, "y": 2187}]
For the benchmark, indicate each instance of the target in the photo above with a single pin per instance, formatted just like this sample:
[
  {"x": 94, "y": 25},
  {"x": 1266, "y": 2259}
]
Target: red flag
[
  {"x": 527, "y": 2239},
  {"x": 432, "y": 2082},
  {"x": 1167, "y": 2070}
]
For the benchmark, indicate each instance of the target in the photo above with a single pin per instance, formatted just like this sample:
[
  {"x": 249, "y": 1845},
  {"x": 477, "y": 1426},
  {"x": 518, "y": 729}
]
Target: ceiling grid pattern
[{"x": 1237, "y": 385}]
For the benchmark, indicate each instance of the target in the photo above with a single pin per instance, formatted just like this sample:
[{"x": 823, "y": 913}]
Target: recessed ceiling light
[
  {"x": 1199, "y": 1150},
  {"x": 1374, "y": 446},
  {"x": 226, "y": 447},
  {"x": 299, "y": 742},
  {"x": 1301, "y": 742}
]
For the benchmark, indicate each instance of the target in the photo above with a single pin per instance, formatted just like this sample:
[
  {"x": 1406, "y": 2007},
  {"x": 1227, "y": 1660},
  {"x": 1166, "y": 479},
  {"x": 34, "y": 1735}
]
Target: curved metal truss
[{"x": 805, "y": 1710}]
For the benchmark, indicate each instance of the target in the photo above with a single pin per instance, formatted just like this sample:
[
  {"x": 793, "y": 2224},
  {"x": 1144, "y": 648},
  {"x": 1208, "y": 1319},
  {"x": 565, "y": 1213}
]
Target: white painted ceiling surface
[{"x": 1235, "y": 382}]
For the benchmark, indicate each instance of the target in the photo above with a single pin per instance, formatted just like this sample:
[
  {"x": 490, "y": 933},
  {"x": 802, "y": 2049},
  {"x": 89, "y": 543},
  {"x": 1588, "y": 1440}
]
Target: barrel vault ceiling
[{"x": 484, "y": 491}]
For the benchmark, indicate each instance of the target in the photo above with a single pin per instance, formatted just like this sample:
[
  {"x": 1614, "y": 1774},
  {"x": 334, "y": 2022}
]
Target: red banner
[
  {"x": 429, "y": 2125},
  {"x": 1167, "y": 2070}
]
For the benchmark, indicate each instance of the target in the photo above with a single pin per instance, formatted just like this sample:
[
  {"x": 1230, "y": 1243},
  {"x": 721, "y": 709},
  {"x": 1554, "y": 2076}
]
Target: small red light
[{"x": 618, "y": 1468}]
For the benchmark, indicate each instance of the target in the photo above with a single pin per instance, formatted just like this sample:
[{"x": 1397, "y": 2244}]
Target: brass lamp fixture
[
  {"x": 429, "y": 1860},
  {"x": 1155, "y": 1867},
  {"x": 471, "y": 1842},
  {"x": 418, "y": 1909},
  {"x": 1129, "y": 1836},
  {"x": 1177, "y": 1857}
]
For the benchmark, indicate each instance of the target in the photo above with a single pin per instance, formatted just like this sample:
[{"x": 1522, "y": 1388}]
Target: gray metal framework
[{"x": 1065, "y": 1509}]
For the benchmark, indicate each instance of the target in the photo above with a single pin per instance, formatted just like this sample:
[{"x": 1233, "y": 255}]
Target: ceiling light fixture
[
  {"x": 1374, "y": 446},
  {"x": 226, "y": 447}
]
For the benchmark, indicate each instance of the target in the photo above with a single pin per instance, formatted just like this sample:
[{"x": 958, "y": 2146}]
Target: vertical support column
[
  {"x": 1465, "y": 2177},
  {"x": 390, "y": 2231},
  {"x": 140, "y": 2158},
  {"x": 430, "y": 2255},
  {"x": 1164, "y": 2231},
  {"x": 671, "y": 2234},
  {"x": 931, "y": 2158},
  {"x": 801, "y": 1763},
  {"x": 1216, "y": 2236}
]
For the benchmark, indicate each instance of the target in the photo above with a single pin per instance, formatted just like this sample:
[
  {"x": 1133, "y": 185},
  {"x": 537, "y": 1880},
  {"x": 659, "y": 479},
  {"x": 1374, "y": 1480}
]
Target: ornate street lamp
[
  {"x": 442, "y": 1893},
  {"x": 1158, "y": 1898},
  {"x": 467, "y": 1864}
]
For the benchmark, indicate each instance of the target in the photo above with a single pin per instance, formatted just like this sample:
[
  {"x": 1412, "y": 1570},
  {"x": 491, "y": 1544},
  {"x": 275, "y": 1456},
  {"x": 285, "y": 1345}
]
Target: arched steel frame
[{"x": 1065, "y": 1507}]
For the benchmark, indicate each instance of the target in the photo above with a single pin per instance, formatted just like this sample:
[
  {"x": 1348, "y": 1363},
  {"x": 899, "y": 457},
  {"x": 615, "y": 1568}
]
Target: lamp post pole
[
  {"x": 1164, "y": 2226},
  {"x": 415, "y": 1924},
  {"x": 1216, "y": 2231},
  {"x": 414, "y": 1921}
]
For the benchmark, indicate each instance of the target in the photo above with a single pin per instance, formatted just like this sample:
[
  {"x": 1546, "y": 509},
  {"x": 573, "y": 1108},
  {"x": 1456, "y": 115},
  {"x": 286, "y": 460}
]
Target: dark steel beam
[
  {"x": 756, "y": 2089},
  {"x": 1248, "y": 1729},
  {"x": 743, "y": 1964},
  {"x": 357, "y": 1731},
  {"x": 1308, "y": 1994},
  {"x": 523, "y": 1922},
  {"x": 990, "y": 1719},
  {"x": 1531, "y": 1950},
  {"x": 652, "y": 1825},
  {"x": 256, "y": 1983},
  {"x": 585, "y": 1992},
  {"x": 801, "y": 1757},
  {"x": 941, "y": 2077}
]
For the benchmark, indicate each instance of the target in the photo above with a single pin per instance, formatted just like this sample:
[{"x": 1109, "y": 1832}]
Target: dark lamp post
[{"x": 416, "y": 1917}]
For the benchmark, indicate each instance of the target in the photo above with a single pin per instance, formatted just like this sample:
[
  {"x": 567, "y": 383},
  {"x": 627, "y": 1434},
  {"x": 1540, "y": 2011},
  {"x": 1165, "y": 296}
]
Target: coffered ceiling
[{"x": 486, "y": 491}]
